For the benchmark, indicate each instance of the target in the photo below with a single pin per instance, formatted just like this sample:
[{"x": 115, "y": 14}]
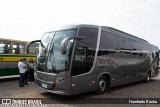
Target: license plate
[{"x": 44, "y": 85}]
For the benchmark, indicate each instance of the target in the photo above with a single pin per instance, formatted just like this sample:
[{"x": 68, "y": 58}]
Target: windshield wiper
[{"x": 51, "y": 52}]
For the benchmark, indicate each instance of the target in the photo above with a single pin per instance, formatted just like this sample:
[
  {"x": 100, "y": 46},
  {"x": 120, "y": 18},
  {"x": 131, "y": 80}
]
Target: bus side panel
[
  {"x": 8, "y": 68},
  {"x": 143, "y": 65},
  {"x": 84, "y": 83},
  {"x": 9, "y": 64}
]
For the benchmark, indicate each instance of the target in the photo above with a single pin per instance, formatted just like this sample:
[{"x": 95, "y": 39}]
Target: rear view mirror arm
[
  {"x": 65, "y": 42},
  {"x": 28, "y": 45}
]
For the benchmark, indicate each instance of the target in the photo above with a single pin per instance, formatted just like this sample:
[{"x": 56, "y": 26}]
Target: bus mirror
[
  {"x": 65, "y": 42},
  {"x": 28, "y": 45}
]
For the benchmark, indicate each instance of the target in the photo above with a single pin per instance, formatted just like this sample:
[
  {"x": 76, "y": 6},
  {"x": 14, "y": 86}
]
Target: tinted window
[
  {"x": 108, "y": 40},
  {"x": 122, "y": 43},
  {"x": 85, "y": 51},
  {"x": 143, "y": 46},
  {"x": 134, "y": 45},
  {"x": 150, "y": 48}
]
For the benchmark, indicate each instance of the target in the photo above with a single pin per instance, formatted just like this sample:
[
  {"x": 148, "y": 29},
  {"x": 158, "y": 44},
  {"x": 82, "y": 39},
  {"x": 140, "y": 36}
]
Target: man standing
[
  {"x": 17, "y": 49},
  {"x": 22, "y": 68},
  {"x": 6, "y": 49}
]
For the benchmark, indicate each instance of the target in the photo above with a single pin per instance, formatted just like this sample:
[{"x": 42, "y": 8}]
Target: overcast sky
[{"x": 29, "y": 19}]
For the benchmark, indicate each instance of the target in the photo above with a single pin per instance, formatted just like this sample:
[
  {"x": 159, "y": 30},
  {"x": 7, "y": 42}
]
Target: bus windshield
[{"x": 50, "y": 58}]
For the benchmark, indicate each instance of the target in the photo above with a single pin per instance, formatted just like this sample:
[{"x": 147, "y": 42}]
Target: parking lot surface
[{"x": 9, "y": 89}]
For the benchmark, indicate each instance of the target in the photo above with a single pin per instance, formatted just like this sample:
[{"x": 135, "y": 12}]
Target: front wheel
[{"x": 103, "y": 85}]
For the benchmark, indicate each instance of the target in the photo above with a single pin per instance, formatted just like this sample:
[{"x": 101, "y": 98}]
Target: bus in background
[
  {"x": 81, "y": 58},
  {"x": 11, "y": 51}
]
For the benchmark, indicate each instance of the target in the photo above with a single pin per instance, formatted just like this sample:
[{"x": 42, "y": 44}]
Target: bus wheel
[
  {"x": 103, "y": 85},
  {"x": 147, "y": 78}
]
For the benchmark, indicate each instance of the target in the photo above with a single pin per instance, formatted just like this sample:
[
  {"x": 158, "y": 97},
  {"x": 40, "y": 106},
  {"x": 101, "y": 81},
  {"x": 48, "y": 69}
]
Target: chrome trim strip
[
  {"x": 43, "y": 81},
  {"x": 55, "y": 92},
  {"x": 97, "y": 48},
  {"x": 12, "y": 76},
  {"x": 45, "y": 72}
]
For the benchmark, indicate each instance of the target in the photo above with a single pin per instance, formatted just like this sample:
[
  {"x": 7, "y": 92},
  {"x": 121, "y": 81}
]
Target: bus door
[{"x": 81, "y": 74}]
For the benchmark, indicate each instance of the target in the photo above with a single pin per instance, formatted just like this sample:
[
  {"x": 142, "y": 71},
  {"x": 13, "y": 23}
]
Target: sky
[{"x": 30, "y": 19}]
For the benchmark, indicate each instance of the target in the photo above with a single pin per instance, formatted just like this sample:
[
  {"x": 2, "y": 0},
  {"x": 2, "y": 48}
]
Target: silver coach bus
[{"x": 81, "y": 58}]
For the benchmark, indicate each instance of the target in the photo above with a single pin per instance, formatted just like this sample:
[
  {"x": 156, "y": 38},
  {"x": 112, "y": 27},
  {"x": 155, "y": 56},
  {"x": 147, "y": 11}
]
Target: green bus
[{"x": 9, "y": 58}]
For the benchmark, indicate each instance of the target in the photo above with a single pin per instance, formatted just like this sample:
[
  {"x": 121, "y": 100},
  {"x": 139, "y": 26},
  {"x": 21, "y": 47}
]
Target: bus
[
  {"x": 81, "y": 58},
  {"x": 11, "y": 51}
]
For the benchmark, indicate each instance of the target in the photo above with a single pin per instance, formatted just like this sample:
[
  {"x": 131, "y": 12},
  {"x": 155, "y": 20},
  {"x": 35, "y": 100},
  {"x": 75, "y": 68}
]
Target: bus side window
[
  {"x": 85, "y": 51},
  {"x": 80, "y": 54},
  {"x": 107, "y": 44},
  {"x": 17, "y": 49},
  {"x": 134, "y": 45},
  {"x": 108, "y": 40},
  {"x": 143, "y": 47},
  {"x": 122, "y": 43},
  {"x": 6, "y": 48}
]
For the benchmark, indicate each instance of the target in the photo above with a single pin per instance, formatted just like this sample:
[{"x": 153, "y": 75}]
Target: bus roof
[
  {"x": 13, "y": 40},
  {"x": 110, "y": 28},
  {"x": 74, "y": 26}
]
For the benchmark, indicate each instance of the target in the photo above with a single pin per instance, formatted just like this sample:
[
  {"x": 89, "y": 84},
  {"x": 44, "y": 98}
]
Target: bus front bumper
[{"x": 51, "y": 87}]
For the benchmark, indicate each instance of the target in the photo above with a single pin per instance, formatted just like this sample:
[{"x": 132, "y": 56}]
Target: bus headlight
[{"x": 59, "y": 79}]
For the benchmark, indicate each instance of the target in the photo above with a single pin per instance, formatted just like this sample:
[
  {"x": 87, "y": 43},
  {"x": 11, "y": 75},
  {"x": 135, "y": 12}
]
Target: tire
[
  {"x": 102, "y": 85},
  {"x": 147, "y": 77},
  {"x": 153, "y": 66}
]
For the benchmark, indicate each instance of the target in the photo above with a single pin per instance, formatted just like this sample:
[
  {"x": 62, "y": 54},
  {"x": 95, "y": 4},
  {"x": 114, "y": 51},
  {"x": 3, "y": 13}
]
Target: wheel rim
[{"x": 102, "y": 85}]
